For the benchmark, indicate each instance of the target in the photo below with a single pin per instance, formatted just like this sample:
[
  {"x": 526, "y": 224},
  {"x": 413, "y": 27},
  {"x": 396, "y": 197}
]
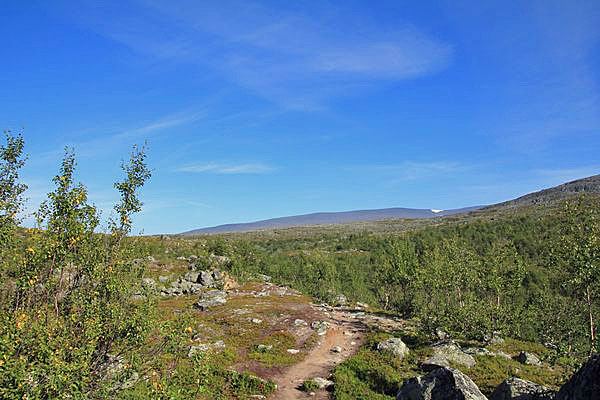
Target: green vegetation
[
  {"x": 370, "y": 374},
  {"x": 76, "y": 322},
  {"x": 309, "y": 385}
]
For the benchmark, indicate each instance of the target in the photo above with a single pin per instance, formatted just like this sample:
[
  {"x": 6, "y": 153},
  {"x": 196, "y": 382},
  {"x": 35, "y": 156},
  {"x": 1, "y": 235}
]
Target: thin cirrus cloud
[
  {"x": 279, "y": 54},
  {"x": 107, "y": 143},
  {"x": 227, "y": 169}
]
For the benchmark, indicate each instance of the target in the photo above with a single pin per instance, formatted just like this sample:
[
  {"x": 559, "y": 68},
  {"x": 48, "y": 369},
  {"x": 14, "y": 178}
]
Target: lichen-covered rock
[
  {"x": 206, "y": 279},
  {"x": 520, "y": 389},
  {"x": 446, "y": 352},
  {"x": 192, "y": 276},
  {"x": 440, "y": 384},
  {"x": 210, "y": 299},
  {"x": 395, "y": 346},
  {"x": 584, "y": 384}
]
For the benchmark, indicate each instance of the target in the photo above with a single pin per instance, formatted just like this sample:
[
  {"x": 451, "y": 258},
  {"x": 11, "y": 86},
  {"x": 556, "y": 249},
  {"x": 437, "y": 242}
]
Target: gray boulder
[
  {"x": 446, "y": 352},
  {"x": 192, "y": 276},
  {"x": 395, "y": 346},
  {"x": 584, "y": 384},
  {"x": 528, "y": 358},
  {"x": 520, "y": 389},
  {"x": 206, "y": 279},
  {"x": 210, "y": 299},
  {"x": 440, "y": 384}
]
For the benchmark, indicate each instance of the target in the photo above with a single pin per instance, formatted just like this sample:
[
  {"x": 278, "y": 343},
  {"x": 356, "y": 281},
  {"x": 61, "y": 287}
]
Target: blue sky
[{"x": 254, "y": 110}]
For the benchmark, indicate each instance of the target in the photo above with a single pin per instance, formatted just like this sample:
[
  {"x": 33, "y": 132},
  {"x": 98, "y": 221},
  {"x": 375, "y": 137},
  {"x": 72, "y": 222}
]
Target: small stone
[
  {"x": 336, "y": 349},
  {"x": 293, "y": 351},
  {"x": 300, "y": 322},
  {"x": 148, "y": 283},
  {"x": 322, "y": 383},
  {"x": 264, "y": 347},
  {"x": 340, "y": 300},
  {"x": 441, "y": 335},
  {"x": 320, "y": 326},
  {"x": 256, "y": 320}
]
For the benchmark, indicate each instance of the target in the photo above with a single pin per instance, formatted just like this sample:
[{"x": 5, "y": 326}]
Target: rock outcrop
[
  {"x": 520, "y": 389},
  {"x": 195, "y": 281},
  {"x": 440, "y": 384}
]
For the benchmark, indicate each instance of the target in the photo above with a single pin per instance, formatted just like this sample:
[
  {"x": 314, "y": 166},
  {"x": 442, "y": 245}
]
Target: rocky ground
[{"x": 279, "y": 335}]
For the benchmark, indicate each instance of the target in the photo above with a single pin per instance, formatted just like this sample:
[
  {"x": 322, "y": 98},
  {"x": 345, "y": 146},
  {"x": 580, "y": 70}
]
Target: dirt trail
[{"x": 345, "y": 331}]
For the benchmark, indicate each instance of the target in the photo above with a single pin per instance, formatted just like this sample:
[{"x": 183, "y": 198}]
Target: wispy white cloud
[
  {"x": 293, "y": 57},
  {"x": 251, "y": 168},
  {"x": 117, "y": 138}
]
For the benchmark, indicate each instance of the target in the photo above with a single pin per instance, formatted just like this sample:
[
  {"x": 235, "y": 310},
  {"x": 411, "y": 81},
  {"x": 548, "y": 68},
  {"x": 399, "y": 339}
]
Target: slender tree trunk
[{"x": 591, "y": 317}]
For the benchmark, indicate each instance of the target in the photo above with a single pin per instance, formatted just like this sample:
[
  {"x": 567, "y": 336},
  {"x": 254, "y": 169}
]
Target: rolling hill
[
  {"x": 331, "y": 218},
  {"x": 585, "y": 185}
]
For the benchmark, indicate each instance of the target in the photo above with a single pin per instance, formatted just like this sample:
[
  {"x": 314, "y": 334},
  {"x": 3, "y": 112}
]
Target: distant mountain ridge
[
  {"x": 591, "y": 184},
  {"x": 585, "y": 185},
  {"x": 332, "y": 218}
]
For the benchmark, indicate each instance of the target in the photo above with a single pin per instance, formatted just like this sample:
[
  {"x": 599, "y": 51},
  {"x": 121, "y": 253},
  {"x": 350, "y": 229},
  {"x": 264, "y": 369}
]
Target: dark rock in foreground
[
  {"x": 584, "y": 384},
  {"x": 440, "y": 384},
  {"x": 519, "y": 389}
]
